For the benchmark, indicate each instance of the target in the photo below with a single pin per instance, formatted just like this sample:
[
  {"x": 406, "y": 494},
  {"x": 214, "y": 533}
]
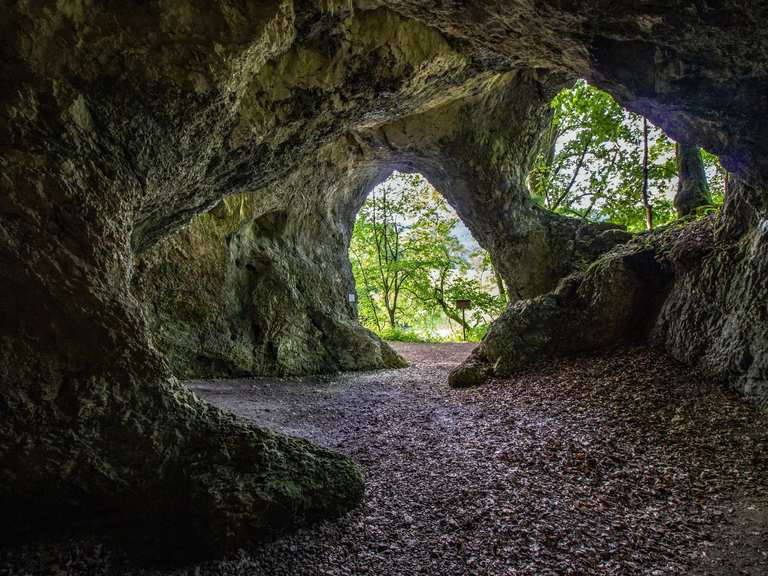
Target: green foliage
[
  {"x": 410, "y": 267},
  {"x": 594, "y": 169},
  {"x": 717, "y": 177},
  {"x": 400, "y": 334}
]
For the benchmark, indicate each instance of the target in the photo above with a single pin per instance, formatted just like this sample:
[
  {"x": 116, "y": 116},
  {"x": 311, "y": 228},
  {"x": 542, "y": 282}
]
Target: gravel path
[{"x": 624, "y": 464}]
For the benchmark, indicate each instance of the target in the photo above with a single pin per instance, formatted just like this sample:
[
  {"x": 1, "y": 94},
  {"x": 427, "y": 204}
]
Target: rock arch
[
  {"x": 275, "y": 302},
  {"x": 120, "y": 123}
]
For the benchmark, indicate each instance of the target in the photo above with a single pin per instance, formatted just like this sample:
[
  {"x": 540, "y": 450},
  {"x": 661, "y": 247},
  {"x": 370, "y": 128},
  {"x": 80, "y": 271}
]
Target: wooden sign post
[{"x": 463, "y": 305}]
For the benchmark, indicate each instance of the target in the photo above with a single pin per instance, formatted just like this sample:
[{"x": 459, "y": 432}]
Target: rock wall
[
  {"x": 122, "y": 121},
  {"x": 261, "y": 284},
  {"x": 716, "y": 316},
  {"x": 613, "y": 300},
  {"x": 270, "y": 268},
  {"x": 698, "y": 289}
]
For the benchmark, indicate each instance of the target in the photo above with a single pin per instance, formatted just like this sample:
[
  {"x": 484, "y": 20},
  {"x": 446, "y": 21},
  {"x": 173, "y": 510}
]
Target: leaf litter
[{"x": 614, "y": 464}]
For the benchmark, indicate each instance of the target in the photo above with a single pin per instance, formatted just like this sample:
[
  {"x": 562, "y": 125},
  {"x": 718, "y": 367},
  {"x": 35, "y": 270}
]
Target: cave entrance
[
  {"x": 419, "y": 273},
  {"x": 598, "y": 157}
]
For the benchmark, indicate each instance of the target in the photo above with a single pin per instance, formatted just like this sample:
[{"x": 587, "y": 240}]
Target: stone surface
[
  {"x": 614, "y": 300},
  {"x": 271, "y": 270},
  {"x": 261, "y": 284},
  {"x": 716, "y": 316},
  {"x": 122, "y": 122},
  {"x": 697, "y": 289}
]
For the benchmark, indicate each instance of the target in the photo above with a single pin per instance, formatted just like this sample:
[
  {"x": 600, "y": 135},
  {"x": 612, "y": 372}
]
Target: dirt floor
[{"x": 624, "y": 463}]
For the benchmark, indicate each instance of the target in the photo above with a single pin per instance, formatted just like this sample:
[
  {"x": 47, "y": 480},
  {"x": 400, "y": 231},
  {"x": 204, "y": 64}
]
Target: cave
[{"x": 179, "y": 184}]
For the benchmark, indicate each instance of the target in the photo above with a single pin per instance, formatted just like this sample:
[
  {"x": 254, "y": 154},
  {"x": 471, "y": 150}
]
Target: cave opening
[
  {"x": 601, "y": 162},
  {"x": 419, "y": 273}
]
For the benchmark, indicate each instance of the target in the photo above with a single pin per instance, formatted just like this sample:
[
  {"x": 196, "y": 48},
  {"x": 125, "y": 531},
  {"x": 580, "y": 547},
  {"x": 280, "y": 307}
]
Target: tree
[
  {"x": 447, "y": 270},
  {"x": 487, "y": 263},
  {"x": 410, "y": 266},
  {"x": 717, "y": 177},
  {"x": 381, "y": 245},
  {"x": 644, "y": 193},
  {"x": 692, "y": 187},
  {"x": 598, "y": 170},
  {"x": 366, "y": 305}
]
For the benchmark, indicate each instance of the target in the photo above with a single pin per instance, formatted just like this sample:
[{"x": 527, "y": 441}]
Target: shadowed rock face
[
  {"x": 696, "y": 289},
  {"x": 262, "y": 283},
  {"x": 614, "y": 300},
  {"x": 272, "y": 275},
  {"x": 120, "y": 124},
  {"x": 716, "y": 316}
]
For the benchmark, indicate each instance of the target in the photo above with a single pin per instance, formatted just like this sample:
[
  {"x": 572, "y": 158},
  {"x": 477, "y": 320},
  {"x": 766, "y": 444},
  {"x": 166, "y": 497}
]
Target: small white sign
[{"x": 351, "y": 297}]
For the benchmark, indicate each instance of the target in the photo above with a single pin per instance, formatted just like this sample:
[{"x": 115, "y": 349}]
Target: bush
[{"x": 401, "y": 334}]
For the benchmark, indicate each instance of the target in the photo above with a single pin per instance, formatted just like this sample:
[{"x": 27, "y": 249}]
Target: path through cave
[{"x": 617, "y": 464}]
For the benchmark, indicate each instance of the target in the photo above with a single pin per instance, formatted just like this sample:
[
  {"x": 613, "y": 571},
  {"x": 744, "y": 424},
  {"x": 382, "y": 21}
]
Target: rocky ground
[{"x": 625, "y": 463}]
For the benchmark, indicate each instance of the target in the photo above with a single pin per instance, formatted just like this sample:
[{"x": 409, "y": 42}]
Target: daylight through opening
[
  {"x": 419, "y": 273},
  {"x": 604, "y": 163}
]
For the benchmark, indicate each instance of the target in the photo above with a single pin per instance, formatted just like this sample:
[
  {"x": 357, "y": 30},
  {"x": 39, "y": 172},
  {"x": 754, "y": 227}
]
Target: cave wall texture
[
  {"x": 261, "y": 284},
  {"x": 267, "y": 302},
  {"x": 123, "y": 121}
]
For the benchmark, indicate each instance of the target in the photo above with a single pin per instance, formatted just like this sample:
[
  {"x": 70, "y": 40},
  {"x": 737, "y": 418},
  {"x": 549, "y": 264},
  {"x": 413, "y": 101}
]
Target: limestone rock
[
  {"x": 716, "y": 316},
  {"x": 254, "y": 291},
  {"x": 614, "y": 300},
  {"x": 123, "y": 121},
  {"x": 272, "y": 276},
  {"x": 688, "y": 288}
]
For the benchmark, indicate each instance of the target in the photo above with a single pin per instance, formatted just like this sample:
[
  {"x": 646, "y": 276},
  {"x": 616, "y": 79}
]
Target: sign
[{"x": 463, "y": 304}]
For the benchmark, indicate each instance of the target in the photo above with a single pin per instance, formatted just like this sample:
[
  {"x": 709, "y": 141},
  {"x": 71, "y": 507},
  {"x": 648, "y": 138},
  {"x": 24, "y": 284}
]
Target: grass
[{"x": 401, "y": 334}]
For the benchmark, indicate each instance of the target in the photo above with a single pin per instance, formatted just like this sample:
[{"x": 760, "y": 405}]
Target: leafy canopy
[
  {"x": 593, "y": 166},
  {"x": 411, "y": 266}
]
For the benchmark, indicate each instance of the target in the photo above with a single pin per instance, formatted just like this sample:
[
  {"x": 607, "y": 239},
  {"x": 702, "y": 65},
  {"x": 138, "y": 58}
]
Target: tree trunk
[
  {"x": 646, "y": 202},
  {"x": 579, "y": 165},
  {"x": 692, "y": 187},
  {"x": 367, "y": 286},
  {"x": 499, "y": 282},
  {"x": 548, "y": 146},
  {"x": 456, "y": 317},
  {"x": 391, "y": 314}
]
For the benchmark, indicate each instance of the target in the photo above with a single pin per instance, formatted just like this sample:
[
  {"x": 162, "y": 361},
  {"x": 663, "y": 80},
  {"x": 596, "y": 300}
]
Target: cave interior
[{"x": 179, "y": 184}]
